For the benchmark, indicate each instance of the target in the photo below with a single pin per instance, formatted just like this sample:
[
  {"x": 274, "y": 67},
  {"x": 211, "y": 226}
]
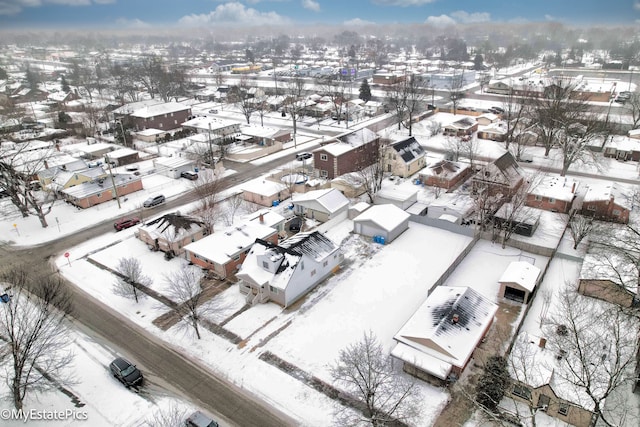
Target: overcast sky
[{"x": 185, "y": 13}]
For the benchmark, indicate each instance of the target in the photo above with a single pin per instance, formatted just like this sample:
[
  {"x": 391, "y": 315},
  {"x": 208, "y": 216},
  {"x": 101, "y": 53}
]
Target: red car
[{"x": 125, "y": 223}]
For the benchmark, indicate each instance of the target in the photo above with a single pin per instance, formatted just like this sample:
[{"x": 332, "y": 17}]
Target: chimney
[
  {"x": 573, "y": 187},
  {"x": 455, "y": 318},
  {"x": 261, "y": 218},
  {"x": 46, "y": 164},
  {"x": 543, "y": 343}
]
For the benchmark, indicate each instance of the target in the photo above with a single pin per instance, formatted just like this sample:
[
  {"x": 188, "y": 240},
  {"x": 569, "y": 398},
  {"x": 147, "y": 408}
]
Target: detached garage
[
  {"x": 388, "y": 221},
  {"x": 518, "y": 281}
]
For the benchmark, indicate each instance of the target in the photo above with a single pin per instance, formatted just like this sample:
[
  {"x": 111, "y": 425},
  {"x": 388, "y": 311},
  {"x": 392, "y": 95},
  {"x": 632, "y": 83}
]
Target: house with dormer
[
  {"x": 285, "y": 272},
  {"x": 404, "y": 158}
]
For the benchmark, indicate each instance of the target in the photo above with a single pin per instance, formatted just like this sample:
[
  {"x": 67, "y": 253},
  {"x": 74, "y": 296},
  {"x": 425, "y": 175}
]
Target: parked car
[
  {"x": 303, "y": 156},
  {"x": 198, "y": 419},
  {"x": 213, "y": 111},
  {"x": 94, "y": 164},
  {"x": 125, "y": 223},
  {"x": 295, "y": 224},
  {"x": 496, "y": 110},
  {"x": 154, "y": 201},
  {"x": 126, "y": 372},
  {"x": 189, "y": 175}
]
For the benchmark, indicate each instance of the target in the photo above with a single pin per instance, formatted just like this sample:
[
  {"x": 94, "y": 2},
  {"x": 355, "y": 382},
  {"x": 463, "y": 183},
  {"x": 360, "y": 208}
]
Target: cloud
[
  {"x": 440, "y": 21},
  {"x": 311, "y": 5},
  {"x": 550, "y": 18},
  {"x": 13, "y": 7},
  {"x": 403, "y": 3},
  {"x": 355, "y": 22},
  {"x": 468, "y": 18},
  {"x": 636, "y": 5},
  {"x": 132, "y": 23},
  {"x": 233, "y": 14}
]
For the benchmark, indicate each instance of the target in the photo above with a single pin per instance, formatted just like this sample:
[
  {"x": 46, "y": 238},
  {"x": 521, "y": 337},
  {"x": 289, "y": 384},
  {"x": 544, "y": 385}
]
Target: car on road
[
  {"x": 496, "y": 110},
  {"x": 303, "y": 156},
  {"x": 125, "y": 223},
  {"x": 154, "y": 201},
  {"x": 126, "y": 372},
  {"x": 198, "y": 419},
  {"x": 189, "y": 175},
  {"x": 213, "y": 111}
]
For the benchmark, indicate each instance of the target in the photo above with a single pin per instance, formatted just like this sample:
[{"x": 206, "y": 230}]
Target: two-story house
[
  {"x": 404, "y": 158},
  {"x": 166, "y": 116},
  {"x": 502, "y": 176},
  {"x": 350, "y": 153}
]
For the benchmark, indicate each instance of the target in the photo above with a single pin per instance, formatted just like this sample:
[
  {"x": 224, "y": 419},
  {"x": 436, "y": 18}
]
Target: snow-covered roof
[
  {"x": 634, "y": 133},
  {"x": 521, "y": 273},
  {"x": 385, "y": 216},
  {"x": 172, "y": 227},
  {"x": 398, "y": 193},
  {"x": 610, "y": 266},
  {"x": 213, "y": 123},
  {"x": 444, "y": 168},
  {"x": 266, "y": 217},
  {"x": 408, "y": 149},
  {"x": 261, "y": 132},
  {"x": 87, "y": 189},
  {"x": 328, "y": 200},
  {"x": 159, "y": 109},
  {"x": 263, "y": 187},
  {"x": 447, "y": 327},
  {"x": 93, "y": 148},
  {"x": 122, "y": 152},
  {"x": 623, "y": 143},
  {"x": 133, "y": 106},
  {"x": 221, "y": 246},
  {"x": 172, "y": 162},
  {"x": 597, "y": 192},
  {"x": 149, "y": 132},
  {"x": 556, "y": 187}
]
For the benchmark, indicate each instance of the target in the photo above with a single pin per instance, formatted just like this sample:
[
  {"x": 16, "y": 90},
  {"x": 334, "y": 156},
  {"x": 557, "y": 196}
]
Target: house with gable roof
[
  {"x": 321, "y": 205},
  {"x": 438, "y": 341},
  {"x": 461, "y": 127},
  {"x": 518, "y": 281},
  {"x": 606, "y": 202},
  {"x": 445, "y": 174},
  {"x": 351, "y": 152},
  {"x": 165, "y": 116},
  {"x": 285, "y": 272},
  {"x": 404, "y": 158},
  {"x": 171, "y": 233},
  {"x": 553, "y": 193},
  {"x": 502, "y": 176}
]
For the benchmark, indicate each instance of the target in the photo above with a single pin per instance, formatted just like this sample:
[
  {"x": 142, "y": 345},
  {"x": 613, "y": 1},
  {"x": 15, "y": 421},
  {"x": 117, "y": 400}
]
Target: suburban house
[
  {"x": 553, "y": 193},
  {"x": 172, "y": 167},
  {"x": 350, "y": 153},
  {"x": 535, "y": 382},
  {"x": 165, "y": 116},
  {"x": 62, "y": 179},
  {"x": 386, "y": 221},
  {"x": 493, "y": 132},
  {"x": 223, "y": 252},
  {"x": 404, "y": 158},
  {"x": 622, "y": 148},
  {"x": 487, "y": 119},
  {"x": 606, "y": 202},
  {"x": 124, "y": 156},
  {"x": 453, "y": 207},
  {"x": 438, "y": 340},
  {"x": 266, "y": 136},
  {"x": 502, "y": 176},
  {"x": 171, "y": 233},
  {"x": 321, "y": 205},
  {"x": 215, "y": 129},
  {"x": 445, "y": 174},
  {"x": 518, "y": 281},
  {"x": 99, "y": 191},
  {"x": 461, "y": 127},
  {"x": 609, "y": 277},
  {"x": 402, "y": 197},
  {"x": 264, "y": 192},
  {"x": 285, "y": 272}
]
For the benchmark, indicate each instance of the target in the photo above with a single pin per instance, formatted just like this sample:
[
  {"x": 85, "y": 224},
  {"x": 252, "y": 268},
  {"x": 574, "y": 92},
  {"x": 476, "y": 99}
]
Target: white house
[
  {"x": 321, "y": 205},
  {"x": 438, "y": 341},
  {"x": 284, "y": 272},
  {"x": 518, "y": 281},
  {"x": 388, "y": 221}
]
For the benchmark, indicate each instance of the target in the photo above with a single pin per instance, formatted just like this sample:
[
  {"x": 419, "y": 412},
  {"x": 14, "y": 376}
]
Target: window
[
  {"x": 324, "y": 264},
  {"x": 171, "y": 114},
  {"x": 161, "y": 124},
  {"x": 313, "y": 272},
  {"x": 273, "y": 290},
  {"x": 552, "y": 200},
  {"x": 175, "y": 122},
  {"x": 236, "y": 258},
  {"x": 324, "y": 173},
  {"x": 563, "y": 409},
  {"x": 265, "y": 265},
  {"x": 617, "y": 212},
  {"x": 390, "y": 156},
  {"x": 522, "y": 391},
  {"x": 591, "y": 207},
  {"x": 538, "y": 198},
  {"x": 301, "y": 265},
  {"x": 324, "y": 157}
]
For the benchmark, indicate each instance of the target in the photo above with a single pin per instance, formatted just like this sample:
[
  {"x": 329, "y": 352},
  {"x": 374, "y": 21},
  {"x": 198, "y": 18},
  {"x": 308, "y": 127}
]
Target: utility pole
[{"x": 113, "y": 181}]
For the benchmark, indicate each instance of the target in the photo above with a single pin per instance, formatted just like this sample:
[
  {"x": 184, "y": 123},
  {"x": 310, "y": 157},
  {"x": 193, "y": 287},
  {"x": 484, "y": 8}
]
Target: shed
[
  {"x": 518, "y": 281},
  {"x": 401, "y": 197},
  {"x": 388, "y": 221},
  {"x": 172, "y": 166}
]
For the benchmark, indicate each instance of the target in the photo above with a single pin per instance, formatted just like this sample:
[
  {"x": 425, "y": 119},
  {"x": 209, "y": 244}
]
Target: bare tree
[
  {"x": 33, "y": 325},
  {"x": 167, "y": 416},
  {"x": 262, "y": 106},
  {"x": 516, "y": 112},
  {"x": 371, "y": 171},
  {"x": 575, "y": 140},
  {"x": 148, "y": 72},
  {"x": 456, "y": 91},
  {"x": 633, "y": 107},
  {"x": 17, "y": 167},
  {"x": 367, "y": 373},
  {"x": 335, "y": 88},
  {"x": 597, "y": 348},
  {"x": 396, "y": 96},
  {"x": 515, "y": 212},
  {"x": 414, "y": 102},
  {"x": 579, "y": 226},
  {"x": 184, "y": 287},
  {"x": 232, "y": 204},
  {"x": 295, "y": 102},
  {"x": 245, "y": 104},
  {"x": 207, "y": 189},
  {"x": 130, "y": 275}
]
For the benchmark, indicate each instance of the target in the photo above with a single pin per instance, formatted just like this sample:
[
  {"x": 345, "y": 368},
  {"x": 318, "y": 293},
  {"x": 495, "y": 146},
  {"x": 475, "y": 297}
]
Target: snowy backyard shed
[
  {"x": 388, "y": 221},
  {"x": 400, "y": 196},
  {"x": 518, "y": 281}
]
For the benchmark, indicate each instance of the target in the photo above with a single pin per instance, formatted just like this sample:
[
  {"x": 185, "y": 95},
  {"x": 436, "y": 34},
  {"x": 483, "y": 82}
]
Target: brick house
[
  {"x": 166, "y": 116},
  {"x": 171, "y": 233},
  {"x": 609, "y": 277},
  {"x": 223, "y": 252},
  {"x": 461, "y": 127},
  {"x": 101, "y": 190},
  {"x": 553, "y": 193},
  {"x": 404, "y": 158},
  {"x": 352, "y": 152},
  {"x": 606, "y": 202},
  {"x": 445, "y": 174},
  {"x": 622, "y": 148}
]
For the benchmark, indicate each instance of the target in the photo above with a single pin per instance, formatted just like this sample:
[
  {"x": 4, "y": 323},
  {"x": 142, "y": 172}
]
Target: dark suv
[
  {"x": 198, "y": 419},
  {"x": 125, "y": 223},
  {"x": 126, "y": 373},
  {"x": 153, "y": 201},
  {"x": 189, "y": 175}
]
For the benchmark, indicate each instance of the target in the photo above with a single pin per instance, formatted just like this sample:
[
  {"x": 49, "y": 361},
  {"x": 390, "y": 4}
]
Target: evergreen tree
[
  {"x": 65, "y": 85},
  {"x": 493, "y": 383},
  {"x": 478, "y": 62},
  {"x": 3, "y": 74},
  {"x": 365, "y": 91}
]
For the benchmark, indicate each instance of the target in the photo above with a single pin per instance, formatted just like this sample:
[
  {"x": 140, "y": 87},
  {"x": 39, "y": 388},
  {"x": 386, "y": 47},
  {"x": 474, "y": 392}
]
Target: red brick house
[
  {"x": 606, "y": 202},
  {"x": 503, "y": 176},
  {"x": 445, "y": 174},
  {"x": 167, "y": 116},
  {"x": 553, "y": 193},
  {"x": 223, "y": 252},
  {"x": 352, "y": 152},
  {"x": 462, "y": 127},
  {"x": 101, "y": 190}
]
